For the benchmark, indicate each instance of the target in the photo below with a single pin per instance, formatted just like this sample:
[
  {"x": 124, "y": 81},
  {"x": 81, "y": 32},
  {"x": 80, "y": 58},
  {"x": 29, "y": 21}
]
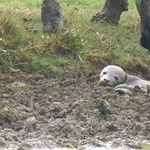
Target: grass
[
  {"x": 147, "y": 147},
  {"x": 84, "y": 44}
]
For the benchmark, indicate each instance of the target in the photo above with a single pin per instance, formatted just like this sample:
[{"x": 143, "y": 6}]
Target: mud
[{"x": 69, "y": 110}]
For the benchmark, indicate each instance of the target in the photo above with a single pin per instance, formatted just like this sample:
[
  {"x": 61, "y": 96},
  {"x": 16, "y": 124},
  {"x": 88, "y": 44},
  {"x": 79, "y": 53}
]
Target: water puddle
[{"x": 108, "y": 146}]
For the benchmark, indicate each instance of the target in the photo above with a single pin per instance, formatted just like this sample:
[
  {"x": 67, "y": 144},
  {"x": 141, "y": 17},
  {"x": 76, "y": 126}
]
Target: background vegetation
[{"x": 84, "y": 45}]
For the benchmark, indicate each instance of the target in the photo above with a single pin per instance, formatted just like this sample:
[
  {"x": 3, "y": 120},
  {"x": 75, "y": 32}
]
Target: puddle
[{"x": 108, "y": 146}]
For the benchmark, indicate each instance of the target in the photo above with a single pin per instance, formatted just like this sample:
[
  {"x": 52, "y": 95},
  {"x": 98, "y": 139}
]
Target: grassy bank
[{"x": 84, "y": 45}]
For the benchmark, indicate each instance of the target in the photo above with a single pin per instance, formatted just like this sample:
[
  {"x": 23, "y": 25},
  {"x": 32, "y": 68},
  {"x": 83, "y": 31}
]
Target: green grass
[
  {"x": 84, "y": 44},
  {"x": 147, "y": 147}
]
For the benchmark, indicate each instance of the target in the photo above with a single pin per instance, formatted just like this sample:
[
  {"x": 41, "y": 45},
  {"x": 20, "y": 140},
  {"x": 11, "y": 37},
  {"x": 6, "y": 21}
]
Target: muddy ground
[{"x": 69, "y": 110}]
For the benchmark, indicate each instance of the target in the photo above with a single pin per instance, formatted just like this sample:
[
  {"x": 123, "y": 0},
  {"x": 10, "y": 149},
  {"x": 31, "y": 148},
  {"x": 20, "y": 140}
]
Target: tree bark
[
  {"x": 51, "y": 16},
  {"x": 111, "y": 11}
]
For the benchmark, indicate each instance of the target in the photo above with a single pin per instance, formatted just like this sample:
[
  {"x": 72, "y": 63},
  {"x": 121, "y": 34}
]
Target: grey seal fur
[{"x": 115, "y": 76}]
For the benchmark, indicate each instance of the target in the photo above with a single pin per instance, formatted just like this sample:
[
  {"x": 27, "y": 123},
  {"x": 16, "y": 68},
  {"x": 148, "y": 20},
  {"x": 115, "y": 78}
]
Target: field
[
  {"x": 84, "y": 44},
  {"x": 50, "y": 96}
]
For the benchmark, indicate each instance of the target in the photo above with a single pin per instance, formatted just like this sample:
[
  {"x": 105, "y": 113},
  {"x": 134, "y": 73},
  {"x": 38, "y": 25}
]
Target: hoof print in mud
[
  {"x": 30, "y": 124},
  {"x": 25, "y": 146},
  {"x": 103, "y": 107}
]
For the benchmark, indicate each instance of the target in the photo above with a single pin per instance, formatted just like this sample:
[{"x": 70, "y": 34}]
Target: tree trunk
[
  {"x": 111, "y": 11},
  {"x": 51, "y": 16}
]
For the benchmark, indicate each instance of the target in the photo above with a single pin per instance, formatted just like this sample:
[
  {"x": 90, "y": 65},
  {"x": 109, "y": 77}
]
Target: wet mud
[{"x": 69, "y": 110}]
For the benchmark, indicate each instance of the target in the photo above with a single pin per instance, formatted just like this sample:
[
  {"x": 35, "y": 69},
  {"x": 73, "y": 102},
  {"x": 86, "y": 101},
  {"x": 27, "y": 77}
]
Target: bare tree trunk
[
  {"x": 51, "y": 16},
  {"x": 111, "y": 11}
]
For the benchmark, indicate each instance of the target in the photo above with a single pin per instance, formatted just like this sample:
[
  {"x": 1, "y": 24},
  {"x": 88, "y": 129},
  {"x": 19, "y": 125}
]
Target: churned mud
[{"x": 69, "y": 110}]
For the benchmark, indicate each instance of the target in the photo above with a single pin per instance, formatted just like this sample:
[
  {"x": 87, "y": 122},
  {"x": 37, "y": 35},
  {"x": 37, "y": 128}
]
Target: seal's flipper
[
  {"x": 124, "y": 89},
  {"x": 138, "y": 89}
]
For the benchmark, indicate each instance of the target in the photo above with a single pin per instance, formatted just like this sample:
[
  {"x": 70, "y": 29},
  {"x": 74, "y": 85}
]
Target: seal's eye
[
  {"x": 116, "y": 78},
  {"x": 104, "y": 72}
]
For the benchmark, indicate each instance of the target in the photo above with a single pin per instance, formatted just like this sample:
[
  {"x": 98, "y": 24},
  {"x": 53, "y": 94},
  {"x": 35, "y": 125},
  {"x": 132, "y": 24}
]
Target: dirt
[{"x": 69, "y": 110}]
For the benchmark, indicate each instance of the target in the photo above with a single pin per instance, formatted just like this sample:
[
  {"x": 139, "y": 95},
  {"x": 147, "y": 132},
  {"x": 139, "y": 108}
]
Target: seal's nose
[
  {"x": 106, "y": 80},
  {"x": 103, "y": 81}
]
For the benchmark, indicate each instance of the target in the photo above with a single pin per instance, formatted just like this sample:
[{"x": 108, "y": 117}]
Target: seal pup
[{"x": 115, "y": 76}]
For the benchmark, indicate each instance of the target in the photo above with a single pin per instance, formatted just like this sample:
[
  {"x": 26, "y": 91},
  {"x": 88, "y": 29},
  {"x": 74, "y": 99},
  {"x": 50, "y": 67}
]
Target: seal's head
[{"x": 112, "y": 76}]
